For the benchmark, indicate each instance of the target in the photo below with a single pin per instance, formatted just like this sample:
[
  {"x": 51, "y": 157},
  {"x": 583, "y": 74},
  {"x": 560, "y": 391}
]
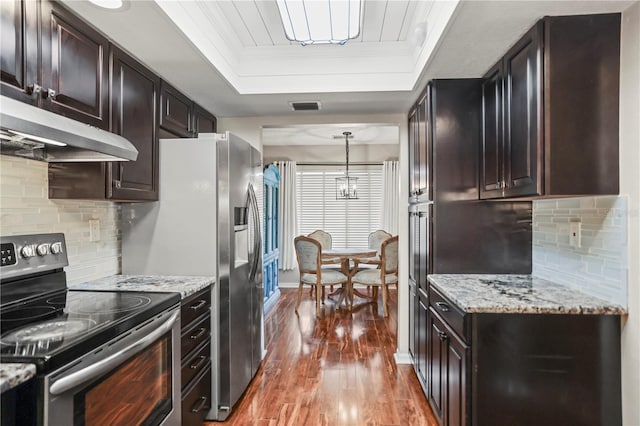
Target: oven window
[{"x": 138, "y": 392}]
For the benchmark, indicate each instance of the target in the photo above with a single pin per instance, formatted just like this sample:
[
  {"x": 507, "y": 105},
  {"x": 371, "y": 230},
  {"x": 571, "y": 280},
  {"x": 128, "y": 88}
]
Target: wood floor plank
[{"x": 335, "y": 370}]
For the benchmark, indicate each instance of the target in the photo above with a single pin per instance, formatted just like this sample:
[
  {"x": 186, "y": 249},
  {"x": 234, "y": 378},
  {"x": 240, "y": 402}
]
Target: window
[{"x": 348, "y": 221}]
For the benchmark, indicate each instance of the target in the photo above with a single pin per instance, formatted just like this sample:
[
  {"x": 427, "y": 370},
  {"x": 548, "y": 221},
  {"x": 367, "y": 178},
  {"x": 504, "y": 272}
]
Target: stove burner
[
  {"x": 48, "y": 331},
  {"x": 28, "y": 314},
  {"x": 125, "y": 303}
]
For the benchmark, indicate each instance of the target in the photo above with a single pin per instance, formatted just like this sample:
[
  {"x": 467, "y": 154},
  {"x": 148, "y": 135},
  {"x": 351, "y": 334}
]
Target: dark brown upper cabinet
[
  {"x": 420, "y": 149},
  {"x": 75, "y": 69},
  {"x": 176, "y": 112},
  {"x": 53, "y": 60},
  {"x": 135, "y": 93},
  {"x": 204, "y": 121},
  {"x": 134, "y": 114},
  {"x": 19, "y": 53},
  {"x": 550, "y": 111}
]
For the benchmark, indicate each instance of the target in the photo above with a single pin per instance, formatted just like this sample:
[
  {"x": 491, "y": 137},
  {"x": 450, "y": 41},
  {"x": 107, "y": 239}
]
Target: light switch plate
[{"x": 575, "y": 233}]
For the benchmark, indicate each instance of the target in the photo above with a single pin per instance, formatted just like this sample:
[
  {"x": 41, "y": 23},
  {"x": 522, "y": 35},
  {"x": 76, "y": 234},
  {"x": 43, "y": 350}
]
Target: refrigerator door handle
[{"x": 257, "y": 245}]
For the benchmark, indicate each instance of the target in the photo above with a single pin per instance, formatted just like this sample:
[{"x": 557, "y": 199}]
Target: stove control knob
[
  {"x": 28, "y": 251},
  {"x": 56, "y": 248},
  {"x": 42, "y": 249}
]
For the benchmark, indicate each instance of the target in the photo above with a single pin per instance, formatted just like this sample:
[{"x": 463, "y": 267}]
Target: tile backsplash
[
  {"x": 26, "y": 209},
  {"x": 599, "y": 265}
]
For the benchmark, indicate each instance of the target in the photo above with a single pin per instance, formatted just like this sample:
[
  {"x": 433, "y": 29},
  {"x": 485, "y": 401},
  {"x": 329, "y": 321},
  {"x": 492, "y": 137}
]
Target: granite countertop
[
  {"x": 11, "y": 375},
  {"x": 476, "y": 293},
  {"x": 185, "y": 285}
]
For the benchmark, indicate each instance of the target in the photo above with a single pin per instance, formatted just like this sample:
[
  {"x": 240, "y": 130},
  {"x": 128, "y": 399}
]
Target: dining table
[{"x": 346, "y": 256}]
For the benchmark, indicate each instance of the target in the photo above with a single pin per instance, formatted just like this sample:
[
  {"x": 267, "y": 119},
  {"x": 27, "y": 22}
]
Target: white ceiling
[
  {"x": 230, "y": 57},
  {"x": 330, "y": 134}
]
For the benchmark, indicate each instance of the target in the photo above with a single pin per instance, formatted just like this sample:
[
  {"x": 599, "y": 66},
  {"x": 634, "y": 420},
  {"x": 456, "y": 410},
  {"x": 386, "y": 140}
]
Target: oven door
[{"x": 132, "y": 380}]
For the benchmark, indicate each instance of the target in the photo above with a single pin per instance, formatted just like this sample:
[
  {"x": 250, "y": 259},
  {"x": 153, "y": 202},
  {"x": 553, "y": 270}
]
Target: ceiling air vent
[{"x": 305, "y": 106}]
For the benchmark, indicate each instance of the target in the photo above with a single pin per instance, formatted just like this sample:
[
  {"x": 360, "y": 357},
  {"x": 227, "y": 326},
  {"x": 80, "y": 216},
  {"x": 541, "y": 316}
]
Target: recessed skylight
[{"x": 107, "y": 4}]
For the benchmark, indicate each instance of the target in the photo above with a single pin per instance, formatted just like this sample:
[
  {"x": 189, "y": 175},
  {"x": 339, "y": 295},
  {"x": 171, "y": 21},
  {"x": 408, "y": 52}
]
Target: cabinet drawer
[
  {"x": 453, "y": 316},
  {"x": 196, "y": 402},
  {"x": 195, "y": 364},
  {"x": 195, "y": 334},
  {"x": 195, "y": 306}
]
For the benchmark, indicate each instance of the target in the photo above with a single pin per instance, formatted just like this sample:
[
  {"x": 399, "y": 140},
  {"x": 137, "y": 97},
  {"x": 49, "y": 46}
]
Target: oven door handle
[{"x": 89, "y": 373}]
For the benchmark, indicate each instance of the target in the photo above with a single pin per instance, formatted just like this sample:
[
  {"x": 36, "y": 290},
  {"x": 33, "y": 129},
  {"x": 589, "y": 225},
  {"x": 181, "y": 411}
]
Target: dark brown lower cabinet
[
  {"x": 448, "y": 358},
  {"x": 522, "y": 369},
  {"x": 196, "y": 357}
]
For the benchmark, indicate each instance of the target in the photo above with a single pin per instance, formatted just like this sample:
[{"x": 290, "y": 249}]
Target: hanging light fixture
[
  {"x": 320, "y": 21},
  {"x": 347, "y": 186}
]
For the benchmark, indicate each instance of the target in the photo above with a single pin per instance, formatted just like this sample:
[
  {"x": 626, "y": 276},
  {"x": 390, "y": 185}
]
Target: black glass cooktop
[{"x": 58, "y": 329}]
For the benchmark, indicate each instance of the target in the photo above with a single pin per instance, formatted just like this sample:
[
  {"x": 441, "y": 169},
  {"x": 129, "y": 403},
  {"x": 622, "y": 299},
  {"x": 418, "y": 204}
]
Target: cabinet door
[
  {"x": 134, "y": 112},
  {"x": 176, "y": 112},
  {"x": 204, "y": 121},
  {"x": 74, "y": 67},
  {"x": 422, "y": 343},
  {"x": 19, "y": 52},
  {"x": 412, "y": 321},
  {"x": 422, "y": 259},
  {"x": 457, "y": 355},
  {"x": 437, "y": 365},
  {"x": 413, "y": 244},
  {"x": 423, "y": 151},
  {"x": 413, "y": 154},
  {"x": 523, "y": 115},
  {"x": 491, "y": 167}
]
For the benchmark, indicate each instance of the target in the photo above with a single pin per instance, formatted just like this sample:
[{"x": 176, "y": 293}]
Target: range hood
[{"x": 31, "y": 132}]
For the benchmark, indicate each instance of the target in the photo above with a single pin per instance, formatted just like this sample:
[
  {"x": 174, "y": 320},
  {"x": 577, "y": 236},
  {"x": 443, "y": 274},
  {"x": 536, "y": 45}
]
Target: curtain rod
[{"x": 351, "y": 163}]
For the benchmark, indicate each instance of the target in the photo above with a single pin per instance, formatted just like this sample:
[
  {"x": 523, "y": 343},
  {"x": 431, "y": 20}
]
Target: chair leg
[
  {"x": 323, "y": 294},
  {"x": 385, "y": 296},
  {"x": 299, "y": 296},
  {"x": 317, "y": 301}
]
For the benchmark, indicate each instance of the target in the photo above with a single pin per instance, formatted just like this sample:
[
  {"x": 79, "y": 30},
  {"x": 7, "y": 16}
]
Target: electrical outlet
[
  {"x": 94, "y": 230},
  {"x": 575, "y": 233}
]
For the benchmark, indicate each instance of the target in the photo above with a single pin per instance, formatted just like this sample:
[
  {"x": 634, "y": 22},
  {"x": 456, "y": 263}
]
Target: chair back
[
  {"x": 389, "y": 256},
  {"x": 376, "y": 238},
  {"x": 324, "y": 238},
  {"x": 308, "y": 253}
]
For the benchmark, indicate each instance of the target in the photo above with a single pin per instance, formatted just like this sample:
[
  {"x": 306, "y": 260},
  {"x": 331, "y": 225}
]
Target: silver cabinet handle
[
  {"x": 34, "y": 89},
  {"x": 199, "y": 405},
  {"x": 199, "y": 305},
  {"x": 109, "y": 363},
  {"x": 50, "y": 94},
  {"x": 443, "y": 306}
]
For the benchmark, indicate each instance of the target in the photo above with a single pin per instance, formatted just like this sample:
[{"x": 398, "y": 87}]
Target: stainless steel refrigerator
[{"x": 207, "y": 222}]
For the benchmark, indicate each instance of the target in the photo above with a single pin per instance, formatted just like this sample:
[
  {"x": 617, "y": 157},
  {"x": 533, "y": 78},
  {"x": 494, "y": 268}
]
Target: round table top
[{"x": 349, "y": 252}]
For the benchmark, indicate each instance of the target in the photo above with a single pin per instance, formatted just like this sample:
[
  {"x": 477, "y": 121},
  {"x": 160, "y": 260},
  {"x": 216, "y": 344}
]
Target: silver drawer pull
[
  {"x": 442, "y": 335},
  {"x": 199, "y": 334},
  {"x": 443, "y": 306},
  {"x": 199, "y": 405},
  {"x": 199, "y": 305},
  {"x": 198, "y": 364}
]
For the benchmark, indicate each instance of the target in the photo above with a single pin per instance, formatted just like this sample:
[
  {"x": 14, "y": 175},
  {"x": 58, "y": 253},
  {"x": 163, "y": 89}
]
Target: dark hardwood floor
[{"x": 336, "y": 370}]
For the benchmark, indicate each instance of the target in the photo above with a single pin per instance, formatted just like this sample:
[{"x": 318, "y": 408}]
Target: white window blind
[{"x": 348, "y": 221}]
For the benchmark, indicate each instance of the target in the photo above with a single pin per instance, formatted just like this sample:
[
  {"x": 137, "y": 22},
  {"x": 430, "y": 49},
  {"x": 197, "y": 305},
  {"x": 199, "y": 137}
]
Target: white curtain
[
  {"x": 390, "y": 196},
  {"x": 287, "y": 219}
]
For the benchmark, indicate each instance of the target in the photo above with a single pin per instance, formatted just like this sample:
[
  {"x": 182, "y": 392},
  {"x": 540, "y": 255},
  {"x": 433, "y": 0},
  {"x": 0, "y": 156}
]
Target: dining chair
[
  {"x": 375, "y": 240},
  {"x": 309, "y": 255},
  {"x": 325, "y": 240},
  {"x": 386, "y": 275}
]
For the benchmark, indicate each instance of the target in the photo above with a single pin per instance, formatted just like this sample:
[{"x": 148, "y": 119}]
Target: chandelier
[{"x": 347, "y": 186}]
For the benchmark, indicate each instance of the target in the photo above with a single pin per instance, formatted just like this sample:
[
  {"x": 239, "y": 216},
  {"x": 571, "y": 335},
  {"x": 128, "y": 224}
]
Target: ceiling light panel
[{"x": 320, "y": 21}]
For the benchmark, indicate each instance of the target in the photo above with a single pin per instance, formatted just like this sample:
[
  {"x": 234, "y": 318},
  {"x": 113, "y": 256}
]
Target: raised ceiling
[{"x": 215, "y": 51}]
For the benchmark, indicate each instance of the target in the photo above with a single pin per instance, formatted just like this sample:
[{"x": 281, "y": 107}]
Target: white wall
[
  {"x": 368, "y": 153},
  {"x": 630, "y": 186},
  {"x": 250, "y": 128},
  {"x": 26, "y": 209}
]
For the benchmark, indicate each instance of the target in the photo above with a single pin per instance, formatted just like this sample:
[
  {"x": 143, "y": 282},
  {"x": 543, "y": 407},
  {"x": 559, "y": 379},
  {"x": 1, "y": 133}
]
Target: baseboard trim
[
  {"x": 288, "y": 285},
  {"x": 271, "y": 301},
  {"x": 403, "y": 358}
]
